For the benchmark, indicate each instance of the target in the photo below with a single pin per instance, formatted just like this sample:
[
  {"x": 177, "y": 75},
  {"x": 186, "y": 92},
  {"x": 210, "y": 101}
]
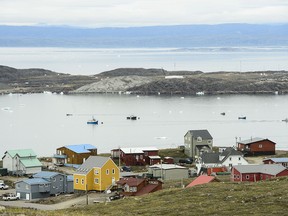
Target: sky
[{"x": 128, "y": 13}]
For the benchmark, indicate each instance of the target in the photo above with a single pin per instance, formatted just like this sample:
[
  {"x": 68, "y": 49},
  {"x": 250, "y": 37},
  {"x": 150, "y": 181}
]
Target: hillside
[{"x": 219, "y": 198}]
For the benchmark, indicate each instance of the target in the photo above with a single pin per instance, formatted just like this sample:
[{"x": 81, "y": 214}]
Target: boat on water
[
  {"x": 285, "y": 120},
  {"x": 93, "y": 121},
  {"x": 242, "y": 117},
  {"x": 223, "y": 113},
  {"x": 132, "y": 117}
]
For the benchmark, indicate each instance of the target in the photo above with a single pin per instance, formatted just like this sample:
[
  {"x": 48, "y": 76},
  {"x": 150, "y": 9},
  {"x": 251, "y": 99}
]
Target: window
[
  {"x": 239, "y": 158},
  {"x": 96, "y": 181},
  {"x": 96, "y": 172},
  {"x": 27, "y": 187},
  {"x": 230, "y": 158},
  {"x": 113, "y": 171},
  {"x": 61, "y": 179},
  {"x": 199, "y": 139},
  {"x": 82, "y": 181},
  {"x": 260, "y": 145},
  {"x": 209, "y": 141},
  {"x": 247, "y": 176},
  {"x": 76, "y": 180},
  {"x": 107, "y": 171}
]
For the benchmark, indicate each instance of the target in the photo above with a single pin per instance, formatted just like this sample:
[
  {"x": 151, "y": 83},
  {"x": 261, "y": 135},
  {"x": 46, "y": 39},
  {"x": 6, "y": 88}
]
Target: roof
[
  {"x": 82, "y": 148},
  {"x": 277, "y": 160},
  {"x": 200, "y": 133},
  {"x": 202, "y": 179},
  {"x": 131, "y": 181},
  {"x": 154, "y": 157},
  {"x": 253, "y": 140},
  {"x": 208, "y": 157},
  {"x": 46, "y": 174},
  {"x": 92, "y": 162},
  {"x": 271, "y": 169},
  {"x": 138, "y": 150},
  {"x": 30, "y": 162},
  {"x": 70, "y": 178},
  {"x": 34, "y": 181},
  {"x": 22, "y": 152},
  {"x": 167, "y": 166},
  {"x": 230, "y": 152}
]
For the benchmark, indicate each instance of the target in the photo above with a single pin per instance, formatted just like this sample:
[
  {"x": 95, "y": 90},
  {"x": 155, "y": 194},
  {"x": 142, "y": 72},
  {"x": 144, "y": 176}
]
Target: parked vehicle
[
  {"x": 3, "y": 186},
  {"x": 10, "y": 197},
  {"x": 126, "y": 169},
  {"x": 115, "y": 196},
  {"x": 186, "y": 161}
]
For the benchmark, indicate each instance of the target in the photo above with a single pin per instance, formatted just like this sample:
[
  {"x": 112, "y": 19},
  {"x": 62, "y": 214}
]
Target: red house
[
  {"x": 282, "y": 161},
  {"x": 252, "y": 173},
  {"x": 137, "y": 156},
  {"x": 256, "y": 146},
  {"x": 138, "y": 186}
]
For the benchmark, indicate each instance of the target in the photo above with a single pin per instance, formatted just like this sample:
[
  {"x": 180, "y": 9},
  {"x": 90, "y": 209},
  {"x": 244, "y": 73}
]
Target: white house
[
  {"x": 229, "y": 158},
  {"x": 21, "y": 161}
]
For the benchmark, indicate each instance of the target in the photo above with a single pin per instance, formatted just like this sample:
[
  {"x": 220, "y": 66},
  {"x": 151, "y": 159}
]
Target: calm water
[
  {"x": 93, "y": 61},
  {"x": 39, "y": 121}
]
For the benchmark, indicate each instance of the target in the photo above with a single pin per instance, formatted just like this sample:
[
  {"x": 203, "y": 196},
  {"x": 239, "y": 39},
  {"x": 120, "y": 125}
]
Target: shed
[{"x": 168, "y": 171}]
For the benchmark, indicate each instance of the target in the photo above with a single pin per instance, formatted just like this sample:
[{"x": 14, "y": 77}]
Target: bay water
[{"x": 40, "y": 121}]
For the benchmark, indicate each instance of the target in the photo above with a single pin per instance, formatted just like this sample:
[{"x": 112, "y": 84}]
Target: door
[
  {"x": 27, "y": 196},
  {"x": 18, "y": 195}
]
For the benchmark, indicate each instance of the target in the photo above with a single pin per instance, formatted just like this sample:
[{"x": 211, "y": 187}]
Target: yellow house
[{"x": 96, "y": 173}]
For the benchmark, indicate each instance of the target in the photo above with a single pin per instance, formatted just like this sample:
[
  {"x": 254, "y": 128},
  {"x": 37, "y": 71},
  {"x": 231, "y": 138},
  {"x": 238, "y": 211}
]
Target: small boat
[
  {"x": 132, "y": 117},
  {"x": 223, "y": 113},
  {"x": 68, "y": 114},
  {"x": 93, "y": 121},
  {"x": 285, "y": 120},
  {"x": 242, "y": 117}
]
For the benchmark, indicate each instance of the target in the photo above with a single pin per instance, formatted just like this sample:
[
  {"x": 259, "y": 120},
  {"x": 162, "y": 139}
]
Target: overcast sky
[{"x": 124, "y": 13}]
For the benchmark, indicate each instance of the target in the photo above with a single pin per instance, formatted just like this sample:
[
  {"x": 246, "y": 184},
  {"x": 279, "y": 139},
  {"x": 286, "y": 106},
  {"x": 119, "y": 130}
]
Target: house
[
  {"x": 74, "y": 154},
  {"x": 168, "y": 160},
  {"x": 21, "y": 162},
  {"x": 168, "y": 171},
  {"x": 137, "y": 156},
  {"x": 252, "y": 173},
  {"x": 228, "y": 158},
  {"x": 43, "y": 185},
  {"x": 196, "y": 142},
  {"x": 283, "y": 161},
  {"x": 96, "y": 173},
  {"x": 138, "y": 186},
  {"x": 256, "y": 146},
  {"x": 202, "y": 179}
]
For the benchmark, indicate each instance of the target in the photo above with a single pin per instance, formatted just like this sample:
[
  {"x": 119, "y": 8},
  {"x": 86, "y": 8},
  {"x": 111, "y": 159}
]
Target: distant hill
[{"x": 225, "y": 35}]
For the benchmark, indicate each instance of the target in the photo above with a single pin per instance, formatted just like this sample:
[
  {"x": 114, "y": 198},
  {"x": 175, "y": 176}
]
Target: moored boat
[{"x": 93, "y": 121}]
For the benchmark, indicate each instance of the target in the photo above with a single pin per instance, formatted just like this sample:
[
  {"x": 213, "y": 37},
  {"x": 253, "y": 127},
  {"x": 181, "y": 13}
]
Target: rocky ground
[{"x": 144, "y": 81}]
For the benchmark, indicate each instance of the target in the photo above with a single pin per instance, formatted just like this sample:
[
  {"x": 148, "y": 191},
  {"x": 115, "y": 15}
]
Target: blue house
[{"x": 44, "y": 184}]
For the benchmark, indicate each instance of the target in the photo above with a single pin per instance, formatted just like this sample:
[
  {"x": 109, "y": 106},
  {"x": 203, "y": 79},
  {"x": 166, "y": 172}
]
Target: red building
[
  {"x": 252, "y": 173},
  {"x": 282, "y": 161},
  {"x": 138, "y": 186},
  {"x": 137, "y": 156},
  {"x": 256, "y": 146}
]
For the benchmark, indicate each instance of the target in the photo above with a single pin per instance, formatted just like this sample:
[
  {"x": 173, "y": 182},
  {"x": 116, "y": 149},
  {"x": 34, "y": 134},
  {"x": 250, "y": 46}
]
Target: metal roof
[
  {"x": 30, "y": 162},
  {"x": 271, "y": 169},
  {"x": 252, "y": 140},
  {"x": 138, "y": 150},
  {"x": 92, "y": 162},
  {"x": 34, "y": 181},
  {"x": 81, "y": 148},
  {"x": 208, "y": 157},
  {"x": 46, "y": 174},
  {"x": 167, "y": 166},
  {"x": 200, "y": 133},
  {"x": 70, "y": 178},
  {"x": 278, "y": 160},
  {"x": 22, "y": 152},
  {"x": 154, "y": 157}
]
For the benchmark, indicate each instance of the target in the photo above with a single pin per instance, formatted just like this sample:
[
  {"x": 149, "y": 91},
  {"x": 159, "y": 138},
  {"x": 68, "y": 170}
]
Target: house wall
[
  {"x": 57, "y": 184},
  {"x": 263, "y": 147},
  {"x": 133, "y": 159},
  {"x": 173, "y": 174},
  {"x": 73, "y": 157},
  {"x": 80, "y": 182},
  {"x": 108, "y": 177},
  {"x": 23, "y": 189},
  {"x": 70, "y": 187},
  {"x": 234, "y": 160},
  {"x": 8, "y": 162},
  {"x": 283, "y": 173},
  {"x": 31, "y": 170}
]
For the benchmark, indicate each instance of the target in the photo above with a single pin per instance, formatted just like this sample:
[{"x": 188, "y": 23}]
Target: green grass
[
  {"x": 219, "y": 198},
  {"x": 172, "y": 152}
]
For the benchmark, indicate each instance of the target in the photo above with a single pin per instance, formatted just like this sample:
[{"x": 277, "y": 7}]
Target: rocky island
[{"x": 144, "y": 81}]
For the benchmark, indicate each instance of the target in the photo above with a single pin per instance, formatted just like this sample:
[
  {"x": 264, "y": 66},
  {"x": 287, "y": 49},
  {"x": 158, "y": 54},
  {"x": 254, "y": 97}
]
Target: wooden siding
[
  {"x": 263, "y": 147},
  {"x": 75, "y": 158}
]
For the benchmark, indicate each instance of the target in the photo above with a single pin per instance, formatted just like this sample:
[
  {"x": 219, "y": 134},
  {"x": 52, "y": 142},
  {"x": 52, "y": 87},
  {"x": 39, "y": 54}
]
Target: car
[
  {"x": 185, "y": 161},
  {"x": 116, "y": 196},
  {"x": 10, "y": 197},
  {"x": 3, "y": 186},
  {"x": 126, "y": 169}
]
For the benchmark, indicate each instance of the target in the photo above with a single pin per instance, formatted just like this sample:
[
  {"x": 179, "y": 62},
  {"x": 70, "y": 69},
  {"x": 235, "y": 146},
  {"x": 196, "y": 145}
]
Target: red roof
[
  {"x": 203, "y": 179},
  {"x": 130, "y": 181}
]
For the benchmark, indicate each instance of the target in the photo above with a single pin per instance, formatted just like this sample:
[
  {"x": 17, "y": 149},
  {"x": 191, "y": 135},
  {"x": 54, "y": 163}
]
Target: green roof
[
  {"x": 30, "y": 162},
  {"x": 22, "y": 152}
]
